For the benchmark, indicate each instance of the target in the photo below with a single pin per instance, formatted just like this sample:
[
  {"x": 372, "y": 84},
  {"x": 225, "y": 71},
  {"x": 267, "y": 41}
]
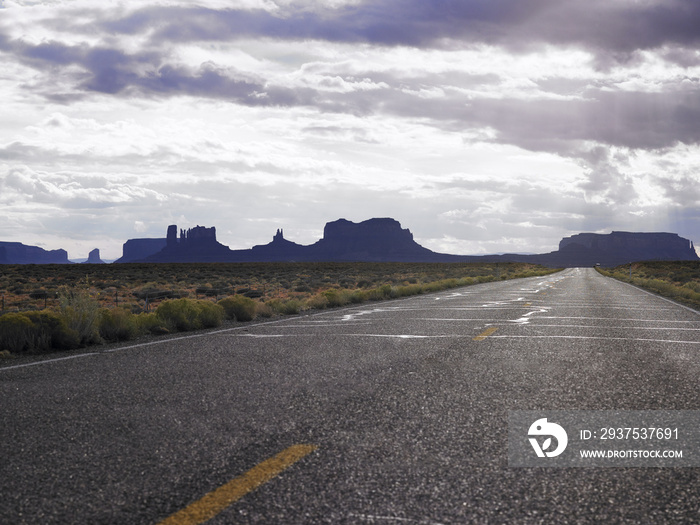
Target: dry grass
[
  {"x": 679, "y": 280},
  {"x": 88, "y": 304}
]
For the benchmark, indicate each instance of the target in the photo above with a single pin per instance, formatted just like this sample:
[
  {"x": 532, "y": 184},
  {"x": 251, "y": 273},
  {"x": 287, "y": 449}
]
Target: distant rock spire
[
  {"x": 172, "y": 235},
  {"x": 94, "y": 257}
]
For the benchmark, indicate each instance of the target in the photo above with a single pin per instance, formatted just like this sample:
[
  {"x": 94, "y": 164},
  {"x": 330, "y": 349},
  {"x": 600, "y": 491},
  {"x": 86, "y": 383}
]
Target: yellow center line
[
  {"x": 483, "y": 335},
  {"x": 214, "y": 502}
]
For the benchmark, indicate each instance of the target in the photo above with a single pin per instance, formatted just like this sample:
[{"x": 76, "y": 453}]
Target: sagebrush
[{"x": 105, "y": 303}]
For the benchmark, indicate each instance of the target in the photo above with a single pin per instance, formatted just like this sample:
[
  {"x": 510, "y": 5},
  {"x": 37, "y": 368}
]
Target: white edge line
[
  {"x": 653, "y": 294},
  {"x": 590, "y": 337},
  {"x": 140, "y": 345},
  {"x": 391, "y": 302},
  {"x": 659, "y": 328},
  {"x": 333, "y": 311}
]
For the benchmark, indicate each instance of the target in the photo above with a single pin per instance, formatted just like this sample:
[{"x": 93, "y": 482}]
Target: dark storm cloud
[
  {"x": 634, "y": 120},
  {"x": 610, "y": 28},
  {"x": 617, "y": 118},
  {"x": 625, "y": 119},
  {"x": 112, "y": 71},
  {"x": 683, "y": 191},
  {"x": 600, "y": 113},
  {"x": 106, "y": 70}
]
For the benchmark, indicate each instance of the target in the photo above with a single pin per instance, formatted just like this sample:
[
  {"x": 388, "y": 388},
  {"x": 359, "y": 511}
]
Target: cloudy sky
[{"x": 483, "y": 126}]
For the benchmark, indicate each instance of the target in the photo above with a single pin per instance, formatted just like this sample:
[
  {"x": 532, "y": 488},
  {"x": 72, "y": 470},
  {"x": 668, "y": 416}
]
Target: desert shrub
[
  {"x": 337, "y": 297},
  {"x": 672, "y": 279},
  {"x": 263, "y": 310},
  {"x": 210, "y": 314},
  {"x": 17, "y": 333},
  {"x": 288, "y": 307},
  {"x": 435, "y": 286},
  {"x": 238, "y": 307},
  {"x": 317, "y": 302},
  {"x": 150, "y": 323},
  {"x": 359, "y": 296},
  {"x": 81, "y": 312},
  {"x": 380, "y": 293},
  {"x": 53, "y": 330},
  {"x": 178, "y": 314},
  {"x": 118, "y": 324},
  {"x": 694, "y": 286},
  {"x": 405, "y": 291},
  {"x": 188, "y": 314}
]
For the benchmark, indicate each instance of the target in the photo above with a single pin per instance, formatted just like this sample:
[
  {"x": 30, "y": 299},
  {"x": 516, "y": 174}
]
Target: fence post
[
  {"x": 147, "y": 303},
  {"x": 116, "y": 298}
]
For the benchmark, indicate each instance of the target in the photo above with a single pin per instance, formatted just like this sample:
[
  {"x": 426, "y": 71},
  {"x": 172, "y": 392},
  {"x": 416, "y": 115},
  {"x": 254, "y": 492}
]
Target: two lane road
[{"x": 404, "y": 402}]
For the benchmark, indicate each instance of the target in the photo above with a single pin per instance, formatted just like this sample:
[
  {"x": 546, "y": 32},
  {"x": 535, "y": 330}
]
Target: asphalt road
[{"x": 407, "y": 410}]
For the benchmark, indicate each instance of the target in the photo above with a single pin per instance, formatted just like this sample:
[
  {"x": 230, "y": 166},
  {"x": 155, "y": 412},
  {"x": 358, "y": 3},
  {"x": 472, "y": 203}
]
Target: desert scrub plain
[
  {"x": 62, "y": 307},
  {"x": 677, "y": 280}
]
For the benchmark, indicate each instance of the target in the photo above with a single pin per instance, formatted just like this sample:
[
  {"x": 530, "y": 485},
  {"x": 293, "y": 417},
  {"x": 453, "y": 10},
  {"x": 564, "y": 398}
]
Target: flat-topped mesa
[
  {"x": 371, "y": 229},
  {"x": 380, "y": 239},
  {"x": 631, "y": 246},
  {"x": 138, "y": 249},
  {"x": 18, "y": 253}
]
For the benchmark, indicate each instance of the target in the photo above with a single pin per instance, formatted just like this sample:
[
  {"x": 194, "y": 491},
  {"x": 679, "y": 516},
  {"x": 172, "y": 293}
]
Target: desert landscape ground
[{"x": 45, "y": 306}]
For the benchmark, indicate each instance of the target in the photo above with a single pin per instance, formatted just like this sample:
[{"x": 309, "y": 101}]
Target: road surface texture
[{"x": 400, "y": 407}]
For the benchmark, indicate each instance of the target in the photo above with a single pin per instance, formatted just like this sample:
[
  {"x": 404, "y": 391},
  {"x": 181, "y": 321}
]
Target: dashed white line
[{"x": 400, "y": 336}]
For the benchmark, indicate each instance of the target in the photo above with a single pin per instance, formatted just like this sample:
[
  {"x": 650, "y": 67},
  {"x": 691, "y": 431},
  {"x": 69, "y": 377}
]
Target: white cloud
[{"x": 120, "y": 118}]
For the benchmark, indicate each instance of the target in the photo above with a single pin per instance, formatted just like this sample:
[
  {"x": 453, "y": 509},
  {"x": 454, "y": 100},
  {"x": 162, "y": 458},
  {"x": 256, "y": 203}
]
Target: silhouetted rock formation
[
  {"x": 371, "y": 240},
  {"x": 196, "y": 244},
  {"x": 611, "y": 249},
  {"x": 135, "y": 250},
  {"x": 380, "y": 240},
  {"x": 18, "y": 253},
  {"x": 280, "y": 249},
  {"x": 622, "y": 247},
  {"x": 94, "y": 257}
]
